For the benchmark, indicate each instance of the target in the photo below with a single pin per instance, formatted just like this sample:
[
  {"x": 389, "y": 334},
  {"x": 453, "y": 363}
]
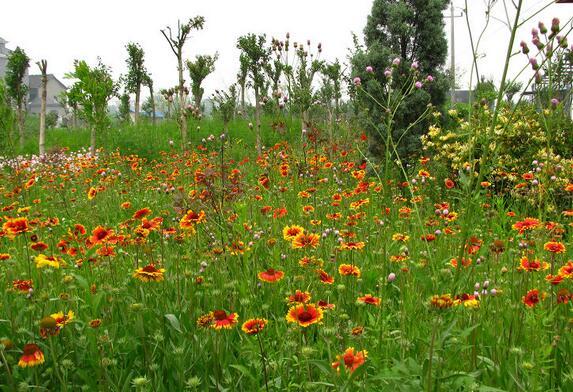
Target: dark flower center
[
  {"x": 220, "y": 315},
  {"x": 305, "y": 316}
]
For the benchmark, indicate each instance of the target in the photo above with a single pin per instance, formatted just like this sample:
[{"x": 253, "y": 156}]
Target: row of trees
[{"x": 282, "y": 75}]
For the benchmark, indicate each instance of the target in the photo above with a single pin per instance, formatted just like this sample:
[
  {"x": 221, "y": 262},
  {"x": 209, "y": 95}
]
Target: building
[
  {"x": 54, "y": 89},
  {"x": 34, "y": 82},
  {"x": 4, "y": 53}
]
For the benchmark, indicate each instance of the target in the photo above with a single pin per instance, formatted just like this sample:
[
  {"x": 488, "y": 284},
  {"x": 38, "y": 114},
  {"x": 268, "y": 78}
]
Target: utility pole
[{"x": 453, "y": 52}]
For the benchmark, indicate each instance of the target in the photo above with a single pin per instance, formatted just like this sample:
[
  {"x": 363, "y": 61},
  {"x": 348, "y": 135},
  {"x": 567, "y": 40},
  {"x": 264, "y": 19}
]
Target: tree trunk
[
  {"x": 182, "y": 109},
  {"x": 93, "y": 141},
  {"x": 136, "y": 107},
  {"x": 243, "y": 100},
  {"x": 20, "y": 113},
  {"x": 43, "y": 65},
  {"x": 152, "y": 104},
  {"x": 258, "y": 121}
]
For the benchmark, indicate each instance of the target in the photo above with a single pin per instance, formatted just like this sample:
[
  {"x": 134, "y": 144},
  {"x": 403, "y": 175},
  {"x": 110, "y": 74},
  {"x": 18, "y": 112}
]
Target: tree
[
  {"x": 136, "y": 74},
  {"x": 225, "y": 105},
  {"x": 198, "y": 71},
  {"x": 176, "y": 43},
  {"x": 43, "y": 65},
  {"x": 242, "y": 79},
  {"x": 123, "y": 112},
  {"x": 300, "y": 78},
  {"x": 256, "y": 55},
  {"x": 151, "y": 99},
  {"x": 16, "y": 68},
  {"x": 6, "y": 118},
  {"x": 332, "y": 92},
  {"x": 93, "y": 88},
  {"x": 411, "y": 31}
]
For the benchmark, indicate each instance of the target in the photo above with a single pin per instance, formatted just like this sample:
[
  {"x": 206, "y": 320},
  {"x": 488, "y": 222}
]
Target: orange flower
[
  {"x": 100, "y": 234},
  {"x": 4, "y": 256},
  {"x": 306, "y": 240},
  {"x": 92, "y": 192},
  {"x": 222, "y": 320},
  {"x": 290, "y": 232},
  {"x": 300, "y": 297},
  {"x": 554, "y": 247},
  {"x": 304, "y": 315},
  {"x": 443, "y": 301},
  {"x": 567, "y": 270},
  {"x": 352, "y": 245},
  {"x": 349, "y": 270},
  {"x": 531, "y": 298},
  {"x": 149, "y": 274},
  {"x": 271, "y": 275},
  {"x": 22, "y": 286},
  {"x": 254, "y": 326},
  {"x": 13, "y": 227},
  {"x": 32, "y": 356},
  {"x": 449, "y": 183},
  {"x": 532, "y": 265},
  {"x": 526, "y": 225},
  {"x": 141, "y": 213},
  {"x": 324, "y": 277},
  {"x": 352, "y": 360},
  {"x": 370, "y": 300},
  {"x": 39, "y": 246}
]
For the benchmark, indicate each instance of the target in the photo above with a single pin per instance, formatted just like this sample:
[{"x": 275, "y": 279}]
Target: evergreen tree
[{"x": 411, "y": 31}]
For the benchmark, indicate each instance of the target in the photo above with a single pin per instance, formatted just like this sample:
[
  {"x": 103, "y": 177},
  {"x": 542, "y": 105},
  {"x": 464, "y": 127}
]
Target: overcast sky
[{"x": 64, "y": 30}]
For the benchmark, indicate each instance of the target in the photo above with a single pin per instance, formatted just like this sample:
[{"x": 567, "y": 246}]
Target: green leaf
[{"x": 174, "y": 322}]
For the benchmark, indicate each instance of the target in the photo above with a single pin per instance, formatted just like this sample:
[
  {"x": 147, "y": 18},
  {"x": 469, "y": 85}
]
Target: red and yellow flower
[{"x": 304, "y": 315}]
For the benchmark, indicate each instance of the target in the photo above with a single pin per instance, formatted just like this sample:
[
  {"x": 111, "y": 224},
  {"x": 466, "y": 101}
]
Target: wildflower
[
  {"x": 567, "y": 270},
  {"x": 290, "y": 232},
  {"x": 304, "y": 315},
  {"x": 443, "y": 301},
  {"x": 554, "y": 247},
  {"x": 531, "y": 298},
  {"x": 205, "y": 320},
  {"x": 306, "y": 240},
  {"x": 99, "y": 235},
  {"x": 370, "y": 300},
  {"x": 39, "y": 246},
  {"x": 349, "y": 270},
  {"x": 271, "y": 275},
  {"x": 92, "y": 192},
  {"x": 359, "y": 245},
  {"x": 350, "y": 359},
  {"x": 300, "y": 297},
  {"x": 527, "y": 224},
  {"x": 48, "y": 261},
  {"x": 254, "y": 326},
  {"x": 15, "y": 226},
  {"x": 149, "y": 274},
  {"x": 222, "y": 320},
  {"x": 32, "y": 356},
  {"x": 141, "y": 213},
  {"x": 23, "y": 286},
  {"x": 324, "y": 276},
  {"x": 532, "y": 265}
]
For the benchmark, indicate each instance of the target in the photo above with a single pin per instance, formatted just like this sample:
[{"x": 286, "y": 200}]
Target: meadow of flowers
[{"x": 299, "y": 269}]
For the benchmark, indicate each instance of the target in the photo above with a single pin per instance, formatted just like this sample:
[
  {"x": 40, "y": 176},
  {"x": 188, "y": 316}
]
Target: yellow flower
[{"x": 48, "y": 261}]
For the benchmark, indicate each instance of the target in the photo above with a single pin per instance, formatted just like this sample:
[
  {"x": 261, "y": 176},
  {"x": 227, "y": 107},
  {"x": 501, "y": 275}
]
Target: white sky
[{"x": 64, "y": 30}]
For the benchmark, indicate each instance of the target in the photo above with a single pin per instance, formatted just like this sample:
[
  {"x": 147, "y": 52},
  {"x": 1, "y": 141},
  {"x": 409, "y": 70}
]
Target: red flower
[
  {"x": 271, "y": 275},
  {"x": 531, "y": 298}
]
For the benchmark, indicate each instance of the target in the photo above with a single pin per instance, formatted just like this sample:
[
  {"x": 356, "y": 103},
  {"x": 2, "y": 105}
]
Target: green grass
[{"x": 149, "y": 339}]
